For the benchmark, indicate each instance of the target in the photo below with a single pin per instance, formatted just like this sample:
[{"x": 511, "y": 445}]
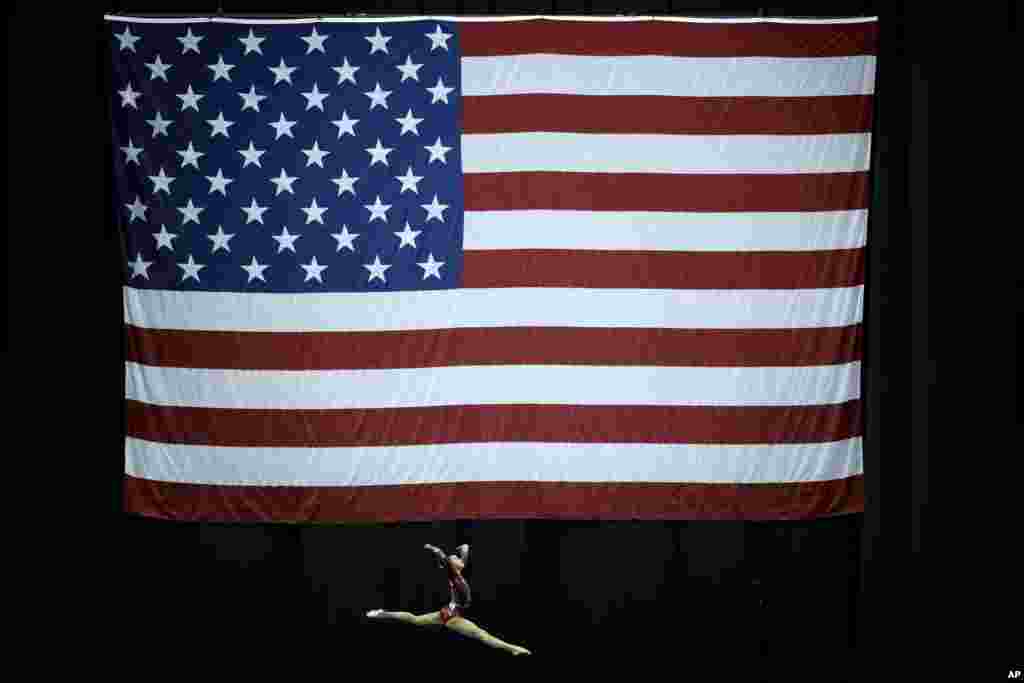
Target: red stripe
[
  {"x": 494, "y": 346},
  {"x": 675, "y": 39},
  {"x": 489, "y": 424},
  {"x": 667, "y": 115},
  {"x": 497, "y": 500},
  {"x": 666, "y": 191},
  {"x": 664, "y": 270}
]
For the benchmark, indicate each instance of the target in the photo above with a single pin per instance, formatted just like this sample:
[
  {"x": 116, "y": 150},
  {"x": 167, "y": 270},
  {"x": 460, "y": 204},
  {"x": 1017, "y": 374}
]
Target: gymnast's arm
[{"x": 442, "y": 560}]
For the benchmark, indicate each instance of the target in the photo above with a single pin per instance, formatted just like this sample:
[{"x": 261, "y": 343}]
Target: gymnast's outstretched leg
[
  {"x": 431, "y": 619},
  {"x": 468, "y": 628}
]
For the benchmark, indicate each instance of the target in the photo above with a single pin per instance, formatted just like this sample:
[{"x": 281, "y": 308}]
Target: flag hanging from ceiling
[{"x": 417, "y": 269}]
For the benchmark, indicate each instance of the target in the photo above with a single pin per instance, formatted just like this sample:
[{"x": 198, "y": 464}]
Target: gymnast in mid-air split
[{"x": 451, "y": 615}]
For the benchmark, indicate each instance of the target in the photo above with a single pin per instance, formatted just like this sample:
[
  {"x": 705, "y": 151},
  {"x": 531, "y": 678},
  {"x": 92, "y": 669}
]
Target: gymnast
[{"x": 452, "y": 615}]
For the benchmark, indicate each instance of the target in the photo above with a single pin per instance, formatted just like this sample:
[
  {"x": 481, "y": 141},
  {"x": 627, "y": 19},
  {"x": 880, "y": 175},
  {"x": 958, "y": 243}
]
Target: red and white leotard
[{"x": 461, "y": 597}]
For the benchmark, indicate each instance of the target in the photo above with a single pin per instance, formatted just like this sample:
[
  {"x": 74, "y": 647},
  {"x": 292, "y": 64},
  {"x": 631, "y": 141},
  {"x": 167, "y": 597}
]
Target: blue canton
[{"x": 310, "y": 157}]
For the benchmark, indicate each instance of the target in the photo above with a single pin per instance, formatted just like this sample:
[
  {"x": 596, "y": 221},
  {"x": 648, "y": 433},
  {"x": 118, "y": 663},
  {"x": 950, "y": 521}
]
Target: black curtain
[{"x": 757, "y": 596}]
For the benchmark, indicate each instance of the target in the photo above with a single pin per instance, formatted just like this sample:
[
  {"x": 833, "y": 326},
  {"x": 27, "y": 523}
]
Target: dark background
[{"x": 761, "y": 600}]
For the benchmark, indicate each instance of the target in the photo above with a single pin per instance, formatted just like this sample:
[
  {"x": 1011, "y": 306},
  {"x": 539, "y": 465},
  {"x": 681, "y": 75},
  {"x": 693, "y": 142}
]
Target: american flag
[{"x": 414, "y": 269}]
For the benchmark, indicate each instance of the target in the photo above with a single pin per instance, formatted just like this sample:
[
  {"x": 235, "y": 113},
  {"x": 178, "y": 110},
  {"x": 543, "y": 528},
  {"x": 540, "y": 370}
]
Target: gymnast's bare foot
[{"x": 375, "y": 613}]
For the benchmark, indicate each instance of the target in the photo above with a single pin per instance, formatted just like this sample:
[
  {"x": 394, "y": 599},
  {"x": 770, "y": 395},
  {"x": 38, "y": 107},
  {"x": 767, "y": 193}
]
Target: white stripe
[
  {"x": 674, "y": 76},
  {"x": 645, "y": 153},
  {"x": 503, "y": 307},
  {"x": 389, "y": 19},
  {"x": 492, "y": 385},
  {"x": 469, "y": 462},
  {"x": 665, "y": 230}
]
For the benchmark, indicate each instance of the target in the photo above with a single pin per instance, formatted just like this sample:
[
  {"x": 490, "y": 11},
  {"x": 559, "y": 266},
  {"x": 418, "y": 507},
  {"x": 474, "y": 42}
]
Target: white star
[
  {"x": 435, "y": 210},
  {"x": 221, "y": 70},
  {"x": 378, "y": 42},
  {"x": 252, "y": 155},
  {"x": 140, "y": 267},
  {"x": 191, "y": 269},
  {"x": 189, "y": 41},
  {"x": 162, "y": 182},
  {"x": 379, "y": 153},
  {"x": 431, "y": 267},
  {"x": 285, "y": 240},
  {"x": 346, "y": 125},
  {"x": 346, "y": 72},
  {"x": 409, "y": 181},
  {"x": 159, "y": 125},
  {"x": 439, "y": 92},
  {"x": 127, "y": 39},
  {"x": 254, "y": 212},
  {"x": 345, "y": 183},
  {"x": 438, "y": 39},
  {"x": 284, "y": 183},
  {"x": 409, "y": 69},
  {"x": 282, "y": 72},
  {"x": 314, "y": 213},
  {"x": 283, "y": 127},
  {"x": 163, "y": 238},
  {"x": 345, "y": 238},
  {"x": 251, "y": 98},
  {"x": 378, "y": 96},
  {"x": 138, "y": 210},
  {"x": 131, "y": 152},
  {"x": 378, "y": 210},
  {"x": 315, "y": 98},
  {"x": 315, "y": 155},
  {"x": 408, "y": 236},
  {"x": 315, "y": 41},
  {"x": 128, "y": 97},
  {"x": 255, "y": 270},
  {"x": 220, "y": 126},
  {"x": 189, "y": 99},
  {"x": 252, "y": 43},
  {"x": 190, "y": 156},
  {"x": 190, "y": 213},
  {"x": 313, "y": 270},
  {"x": 158, "y": 69},
  {"x": 218, "y": 183},
  {"x": 409, "y": 124},
  {"x": 220, "y": 239},
  {"x": 437, "y": 152},
  {"x": 376, "y": 269}
]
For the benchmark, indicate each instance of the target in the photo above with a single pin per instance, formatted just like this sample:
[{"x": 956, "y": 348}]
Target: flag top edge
[{"x": 469, "y": 19}]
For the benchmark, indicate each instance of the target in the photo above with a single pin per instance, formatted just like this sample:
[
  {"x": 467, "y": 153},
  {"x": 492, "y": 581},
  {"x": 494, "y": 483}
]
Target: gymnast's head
[{"x": 461, "y": 557}]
